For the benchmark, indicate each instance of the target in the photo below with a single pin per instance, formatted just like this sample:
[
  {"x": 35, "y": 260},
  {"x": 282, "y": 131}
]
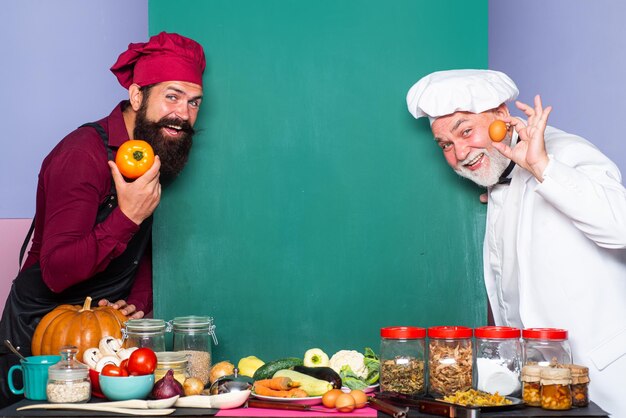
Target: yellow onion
[{"x": 223, "y": 368}]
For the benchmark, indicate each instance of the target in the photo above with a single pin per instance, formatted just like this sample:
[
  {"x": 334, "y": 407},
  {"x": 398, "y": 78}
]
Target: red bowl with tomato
[{"x": 94, "y": 376}]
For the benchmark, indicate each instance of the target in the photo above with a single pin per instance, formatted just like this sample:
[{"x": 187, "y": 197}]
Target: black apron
[{"x": 30, "y": 299}]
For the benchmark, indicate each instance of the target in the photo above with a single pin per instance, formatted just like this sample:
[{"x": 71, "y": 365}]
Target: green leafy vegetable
[{"x": 371, "y": 362}]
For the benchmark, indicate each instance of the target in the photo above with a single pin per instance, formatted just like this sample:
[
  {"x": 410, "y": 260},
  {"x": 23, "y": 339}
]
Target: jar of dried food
[
  {"x": 580, "y": 384},
  {"x": 192, "y": 336},
  {"x": 402, "y": 360},
  {"x": 498, "y": 360},
  {"x": 449, "y": 360},
  {"x": 531, "y": 384},
  {"x": 68, "y": 380},
  {"x": 173, "y": 360},
  {"x": 546, "y": 346},
  {"x": 555, "y": 388},
  {"x": 145, "y": 332}
]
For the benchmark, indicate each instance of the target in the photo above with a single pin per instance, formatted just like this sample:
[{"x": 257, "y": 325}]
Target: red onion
[{"x": 166, "y": 387}]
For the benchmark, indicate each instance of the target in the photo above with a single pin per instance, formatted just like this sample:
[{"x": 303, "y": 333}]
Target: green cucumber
[{"x": 267, "y": 370}]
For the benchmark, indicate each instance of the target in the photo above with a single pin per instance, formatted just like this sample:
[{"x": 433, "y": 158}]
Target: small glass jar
[
  {"x": 531, "y": 384},
  {"x": 580, "y": 384},
  {"x": 402, "y": 360},
  {"x": 546, "y": 346},
  {"x": 450, "y": 365},
  {"x": 175, "y": 361},
  {"x": 145, "y": 333},
  {"x": 192, "y": 336},
  {"x": 68, "y": 380},
  {"x": 498, "y": 360},
  {"x": 555, "y": 388}
]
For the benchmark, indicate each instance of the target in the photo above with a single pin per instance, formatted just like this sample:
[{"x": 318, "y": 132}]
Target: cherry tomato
[
  {"x": 113, "y": 370},
  {"x": 142, "y": 361},
  {"x": 124, "y": 364},
  {"x": 134, "y": 157},
  {"x": 497, "y": 130}
]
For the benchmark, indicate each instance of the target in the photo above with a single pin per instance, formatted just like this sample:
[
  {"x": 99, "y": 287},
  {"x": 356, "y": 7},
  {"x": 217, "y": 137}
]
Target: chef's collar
[{"x": 504, "y": 177}]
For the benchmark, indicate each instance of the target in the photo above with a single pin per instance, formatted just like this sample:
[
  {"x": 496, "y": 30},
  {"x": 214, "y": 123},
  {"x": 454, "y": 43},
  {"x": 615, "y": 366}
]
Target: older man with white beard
[{"x": 555, "y": 244}]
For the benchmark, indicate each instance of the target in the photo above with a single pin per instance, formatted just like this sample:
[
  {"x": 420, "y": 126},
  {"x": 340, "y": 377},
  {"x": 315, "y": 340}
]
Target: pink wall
[{"x": 12, "y": 232}]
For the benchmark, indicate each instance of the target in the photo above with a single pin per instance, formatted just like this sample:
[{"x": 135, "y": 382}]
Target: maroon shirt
[{"x": 74, "y": 180}]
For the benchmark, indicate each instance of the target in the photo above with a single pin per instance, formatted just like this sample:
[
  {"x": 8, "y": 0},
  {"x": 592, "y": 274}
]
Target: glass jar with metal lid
[
  {"x": 546, "y": 346},
  {"x": 555, "y": 388},
  {"x": 402, "y": 360},
  {"x": 450, "y": 360},
  {"x": 498, "y": 360},
  {"x": 173, "y": 360},
  {"x": 145, "y": 332},
  {"x": 192, "y": 336},
  {"x": 68, "y": 380}
]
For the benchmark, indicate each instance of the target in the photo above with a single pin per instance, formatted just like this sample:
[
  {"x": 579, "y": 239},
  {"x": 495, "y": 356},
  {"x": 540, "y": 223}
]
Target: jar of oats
[
  {"x": 402, "y": 360},
  {"x": 450, "y": 358},
  {"x": 68, "y": 380},
  {"x": 193, "y": 336}
]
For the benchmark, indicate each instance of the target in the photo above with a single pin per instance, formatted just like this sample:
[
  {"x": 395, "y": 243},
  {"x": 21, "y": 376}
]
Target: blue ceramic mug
[{"x": 34, "y": 375}]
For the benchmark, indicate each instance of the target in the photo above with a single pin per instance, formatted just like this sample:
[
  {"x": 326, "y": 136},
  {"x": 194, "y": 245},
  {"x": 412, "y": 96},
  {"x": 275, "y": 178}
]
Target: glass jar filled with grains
[
  {"x": 192, "y": 336},
  {"x": 498, "y": 360},
  {"x": 68, "y": 380},
  {"x": 555, "y": 388},
  {"x": 531, "y": 384},
  {"x": 546, "y": 346},
  {"x": 176, "y": 361},
  {"x": 450, "y": 358},
  {"x": 145, "y": 332},
  {"x": 402, "y": 360},
  {"x": 580, "y": 384}
]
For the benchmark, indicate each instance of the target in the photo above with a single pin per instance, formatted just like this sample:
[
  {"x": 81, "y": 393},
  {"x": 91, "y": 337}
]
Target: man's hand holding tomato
[{"x": 138, "y": 199}]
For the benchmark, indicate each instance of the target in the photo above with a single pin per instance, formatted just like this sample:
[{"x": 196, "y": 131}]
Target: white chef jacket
[{"x": 555, "y": 256}]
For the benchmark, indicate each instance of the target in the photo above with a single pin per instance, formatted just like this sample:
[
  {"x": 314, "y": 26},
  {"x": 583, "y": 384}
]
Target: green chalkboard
[{"x": 314, "y": 209}]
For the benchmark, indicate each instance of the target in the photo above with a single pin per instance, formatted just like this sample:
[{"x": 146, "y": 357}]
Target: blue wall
[
  {"x": 573, "y": 53},
  {"x": 55, "y": 76}
]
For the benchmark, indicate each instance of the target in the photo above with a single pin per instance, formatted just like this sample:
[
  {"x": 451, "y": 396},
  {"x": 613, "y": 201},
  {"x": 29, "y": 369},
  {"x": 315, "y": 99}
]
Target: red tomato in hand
[
  {"x": 134, "y": 157},
  {"x": 142, "y": 361},
  {"x": 113, "y": 370}
]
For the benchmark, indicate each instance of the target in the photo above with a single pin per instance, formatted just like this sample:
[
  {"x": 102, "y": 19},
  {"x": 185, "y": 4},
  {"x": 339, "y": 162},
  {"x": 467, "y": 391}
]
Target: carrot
[
  {"x": 278, "y": 383},
  {"x": 265, "y": 391}
]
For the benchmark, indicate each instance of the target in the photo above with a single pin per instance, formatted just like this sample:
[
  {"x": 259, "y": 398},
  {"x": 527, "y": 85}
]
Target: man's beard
[
  {"x": 173, "y": 152},
  {"x": 483, "y": 177}
]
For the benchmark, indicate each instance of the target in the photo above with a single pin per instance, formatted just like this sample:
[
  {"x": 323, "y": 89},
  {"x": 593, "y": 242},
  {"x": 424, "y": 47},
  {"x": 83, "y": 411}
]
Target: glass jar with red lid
[
  {"x": 545, "y": 346},
  {"x": 450, "y": 360},
  {"x": 402, "y": 360},
  {"x": 498, "y": 360}
]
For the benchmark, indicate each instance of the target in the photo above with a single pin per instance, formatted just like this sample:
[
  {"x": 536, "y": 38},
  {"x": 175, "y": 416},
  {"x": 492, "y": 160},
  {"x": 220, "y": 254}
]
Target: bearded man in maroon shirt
[{"x": 92, "y": 228}]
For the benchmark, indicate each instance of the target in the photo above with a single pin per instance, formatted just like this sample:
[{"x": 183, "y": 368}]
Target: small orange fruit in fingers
[{"x": 497, "y": 130}]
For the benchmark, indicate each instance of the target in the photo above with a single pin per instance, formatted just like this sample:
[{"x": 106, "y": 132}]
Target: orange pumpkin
[{"x": 76, "y": 325}]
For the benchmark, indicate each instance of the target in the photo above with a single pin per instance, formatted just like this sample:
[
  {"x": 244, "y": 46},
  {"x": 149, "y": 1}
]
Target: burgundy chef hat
[{"x": 165, "y": 57}]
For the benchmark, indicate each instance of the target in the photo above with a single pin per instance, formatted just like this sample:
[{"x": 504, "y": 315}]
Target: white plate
[
  {"x": 369, "y": 389},
  {"x": 312, "y": 400},
  {"x": 228, "y": 400}
]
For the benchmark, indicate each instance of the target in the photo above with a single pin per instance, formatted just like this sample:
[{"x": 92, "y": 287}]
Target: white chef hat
[{"x": 444, "y": 92}]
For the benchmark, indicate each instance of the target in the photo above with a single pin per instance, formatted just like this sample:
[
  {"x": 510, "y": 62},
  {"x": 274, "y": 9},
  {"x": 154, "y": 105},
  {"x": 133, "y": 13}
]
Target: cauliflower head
[{"x": 351, "y": 358}]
